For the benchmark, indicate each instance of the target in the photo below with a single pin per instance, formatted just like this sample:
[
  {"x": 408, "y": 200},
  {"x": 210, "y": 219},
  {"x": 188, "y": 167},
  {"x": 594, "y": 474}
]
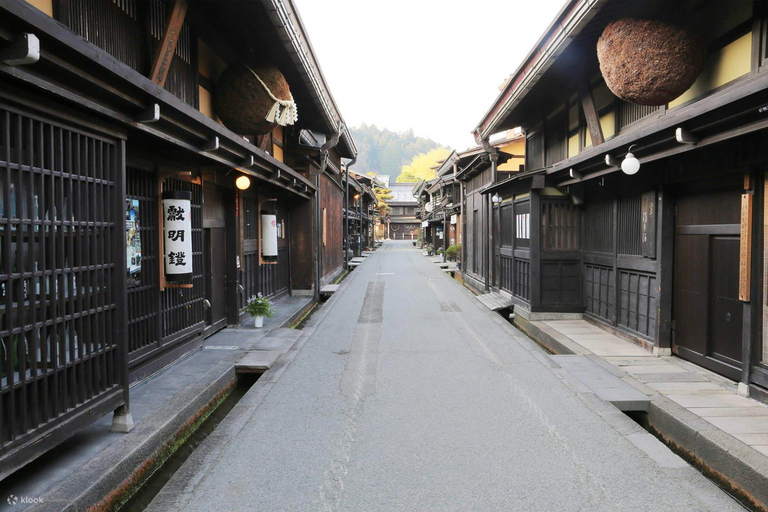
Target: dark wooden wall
[
  {"x": 130, "y": 31},
  {"x": 332, "y": 199},
  {"x": 620, "y": 282}
]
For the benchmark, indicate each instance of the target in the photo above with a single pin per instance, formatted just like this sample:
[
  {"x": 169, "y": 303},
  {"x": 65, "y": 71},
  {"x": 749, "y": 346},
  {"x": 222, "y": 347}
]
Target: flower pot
[{"x": 258, "y": 321}]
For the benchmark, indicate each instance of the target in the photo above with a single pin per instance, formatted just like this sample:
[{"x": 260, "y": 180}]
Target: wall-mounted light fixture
[
  {"x": 243, "y": 182},
  {"x": 630, "y": 165},
  {"x": 496, "y": 198}
]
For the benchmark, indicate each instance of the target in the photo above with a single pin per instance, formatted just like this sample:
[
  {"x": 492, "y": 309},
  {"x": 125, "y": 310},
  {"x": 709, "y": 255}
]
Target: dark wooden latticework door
[
  {"x": 59, "y": 280},
  {"x": 159, "y": 321}
]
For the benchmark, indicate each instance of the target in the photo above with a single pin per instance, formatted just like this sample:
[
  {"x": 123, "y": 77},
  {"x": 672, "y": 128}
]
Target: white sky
[{"x": 431, "y": 65}]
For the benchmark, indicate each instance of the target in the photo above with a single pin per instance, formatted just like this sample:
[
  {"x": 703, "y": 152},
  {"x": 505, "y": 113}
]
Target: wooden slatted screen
[{"x": 58, "y": 272}]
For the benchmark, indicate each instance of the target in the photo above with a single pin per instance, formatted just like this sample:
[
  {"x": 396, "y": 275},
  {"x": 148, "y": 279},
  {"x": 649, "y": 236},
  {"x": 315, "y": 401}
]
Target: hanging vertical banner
[
  {"x": 177, "y": 234},
  {"x": 268, "y": 235}
]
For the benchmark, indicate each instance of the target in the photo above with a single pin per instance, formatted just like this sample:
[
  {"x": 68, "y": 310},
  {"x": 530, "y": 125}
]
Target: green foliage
[
  {"x": 383, "y": 195},
  {"x": 420, "y": 167},
  {"x": 453, "y": 252},
  {"x": 260, "y": 306},
  {"x": 386, "y": 152}
]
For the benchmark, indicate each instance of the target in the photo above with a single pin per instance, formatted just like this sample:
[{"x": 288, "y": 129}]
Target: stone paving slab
[
  {"x": 741, "y": 424},
  {"x": 659, "y": 368},
  {"x": 713, "y": 401},
  {"x": 721, "y": 414},
  {"x": 683, "y": 386},
  {"x": 729, "y": 411},
  {"x": 673, "y": 377}
]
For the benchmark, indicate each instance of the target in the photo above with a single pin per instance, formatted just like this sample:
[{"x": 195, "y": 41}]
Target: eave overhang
[{"x": 567, "y": 24}]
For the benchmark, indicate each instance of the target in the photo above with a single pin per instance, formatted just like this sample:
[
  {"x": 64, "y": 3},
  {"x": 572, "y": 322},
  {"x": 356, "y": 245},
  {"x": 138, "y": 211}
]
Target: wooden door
[
  {"x": 215, "y": 258},
  {"x": 707, "y": 313}
]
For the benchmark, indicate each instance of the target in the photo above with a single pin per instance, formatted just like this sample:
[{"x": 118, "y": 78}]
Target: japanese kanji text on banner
[{"x": 177, "y": 233}]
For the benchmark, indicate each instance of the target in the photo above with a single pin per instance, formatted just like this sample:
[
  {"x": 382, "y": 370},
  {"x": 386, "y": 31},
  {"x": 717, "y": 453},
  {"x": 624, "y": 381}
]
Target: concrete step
[
  {"x": 494, "y": 301},
  {"x": 329, "y": 289},
  {"x": 603, "y": 383},
  {"x": 257, "y": 361}
]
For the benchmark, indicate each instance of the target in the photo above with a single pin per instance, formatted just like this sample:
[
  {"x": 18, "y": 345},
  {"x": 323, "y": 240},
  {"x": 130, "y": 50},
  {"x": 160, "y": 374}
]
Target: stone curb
[
  {"x": 182, "y": 484},
  {"x": 115, "y": 464},
  {"x": 110, "y": 468},
  {"x": 713, "y": 451},
  {"x": 716, "y": 453}
]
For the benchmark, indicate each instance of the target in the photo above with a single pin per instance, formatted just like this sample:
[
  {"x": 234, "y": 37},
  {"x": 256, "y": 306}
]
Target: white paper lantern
[{"x": 268, "y": 235}]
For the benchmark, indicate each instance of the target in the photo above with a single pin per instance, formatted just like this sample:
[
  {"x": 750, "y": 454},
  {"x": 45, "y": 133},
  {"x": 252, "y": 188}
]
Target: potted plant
[{"x": 259, "y": 307}]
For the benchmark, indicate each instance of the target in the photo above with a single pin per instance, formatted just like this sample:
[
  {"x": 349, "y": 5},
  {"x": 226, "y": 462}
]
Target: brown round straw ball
[
  {"x": 649, "y": 62},
  {"x": 242, "y": 103}
]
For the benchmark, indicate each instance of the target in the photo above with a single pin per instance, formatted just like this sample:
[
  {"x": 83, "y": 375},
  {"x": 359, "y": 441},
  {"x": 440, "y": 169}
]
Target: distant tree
[
  {"x": 383, "y": 195},
  {"x": 385, "y": 152},
  {"x": 420, "y": 167}
]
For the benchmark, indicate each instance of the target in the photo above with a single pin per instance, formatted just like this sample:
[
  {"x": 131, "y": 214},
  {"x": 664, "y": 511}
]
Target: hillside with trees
[
  {"x": 422, "y": 166},
  {"x": 386, "y": 152}
]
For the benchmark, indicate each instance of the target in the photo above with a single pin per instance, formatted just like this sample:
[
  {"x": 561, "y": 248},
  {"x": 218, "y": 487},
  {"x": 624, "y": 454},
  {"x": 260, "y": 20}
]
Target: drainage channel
[
  {"x": 646, "y": 422},
  {"x": 141, "y": 499}
]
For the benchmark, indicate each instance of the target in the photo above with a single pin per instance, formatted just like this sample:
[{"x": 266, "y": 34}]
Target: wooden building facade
[
  {"x": 361, "y": 216},
  {"x": 440, "y": 206},
  {"x": 477, "y": 169},
  {"x": 402, "y": 223},
  {"x": 91, "y": 140},
  {"x": 672, "y": 257}
]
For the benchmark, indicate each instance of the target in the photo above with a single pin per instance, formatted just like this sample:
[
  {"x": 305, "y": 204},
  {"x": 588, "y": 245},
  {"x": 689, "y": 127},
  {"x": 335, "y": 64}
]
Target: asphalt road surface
[{"x": 407, "y": 394}]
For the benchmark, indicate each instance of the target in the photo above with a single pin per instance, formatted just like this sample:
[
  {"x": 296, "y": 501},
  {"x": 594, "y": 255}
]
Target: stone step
[
  {"x": 257, "y": 361},
  {"x": 494, "y": 301},
  {"x": 603, "y": 383},
  {"x": 329, "y": 289}
]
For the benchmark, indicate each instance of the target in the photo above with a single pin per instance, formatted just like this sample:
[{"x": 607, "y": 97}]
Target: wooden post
[
  {"x": 534, "y": 233},
  {"x": 162, "y": 62},
  {"x": 664, "y": 265},
  {"x": 745, "y": 254}
]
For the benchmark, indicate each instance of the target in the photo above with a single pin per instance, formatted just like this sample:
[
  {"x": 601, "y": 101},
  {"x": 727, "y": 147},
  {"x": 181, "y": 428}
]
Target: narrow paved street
[{"x": 408, "y": 395}]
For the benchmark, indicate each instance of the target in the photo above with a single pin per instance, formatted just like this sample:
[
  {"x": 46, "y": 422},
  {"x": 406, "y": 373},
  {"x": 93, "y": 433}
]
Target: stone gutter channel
[
  {"x": 109, "y": 479},
  {"x": 736, "y": 467}
]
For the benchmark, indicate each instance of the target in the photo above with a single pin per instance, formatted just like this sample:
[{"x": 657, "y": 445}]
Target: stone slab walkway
[{"x": 704, "y": 393}]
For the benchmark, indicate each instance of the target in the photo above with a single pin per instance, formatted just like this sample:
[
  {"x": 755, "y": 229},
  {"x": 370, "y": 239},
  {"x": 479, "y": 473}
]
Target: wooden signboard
[
  {"x": 745, "y": 253},
  {"x": 648, "y": 224}
]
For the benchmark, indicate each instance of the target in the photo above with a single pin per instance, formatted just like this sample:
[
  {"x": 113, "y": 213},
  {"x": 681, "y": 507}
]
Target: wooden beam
[
  {"x": 683, "y": 136},
  {"x": 162, "y": 62},
  {"x": 590, "y": 114},
  {"x": 150, "y": 114},
  {"x": 211, "y": 144}
]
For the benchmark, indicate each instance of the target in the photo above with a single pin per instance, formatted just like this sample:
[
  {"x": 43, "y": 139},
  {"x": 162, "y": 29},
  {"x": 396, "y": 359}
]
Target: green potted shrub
[
  {"x": 453, "y": 252},
  {"x": 258, "y": 308}
]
